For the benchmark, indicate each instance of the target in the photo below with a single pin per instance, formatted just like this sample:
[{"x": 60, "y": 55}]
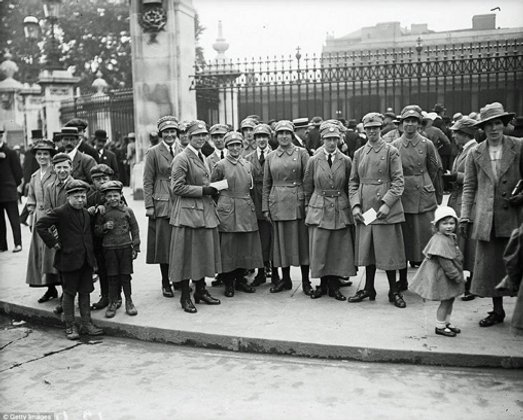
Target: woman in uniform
[
  {"x": 195, "y": 242},
  {"x": 40, "y": 270},
  {"x": 377, "y": 182},
  {"x": 420, "y": 162},
  {"x": 326, "y": 185},
  {"x": 239, "y": 240},
  {"x": 284, "y": 206},
  {"x": 156, "y": 178}
]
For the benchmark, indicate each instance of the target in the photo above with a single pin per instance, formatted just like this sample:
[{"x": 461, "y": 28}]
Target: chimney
[{"x": 482, "y": 22}]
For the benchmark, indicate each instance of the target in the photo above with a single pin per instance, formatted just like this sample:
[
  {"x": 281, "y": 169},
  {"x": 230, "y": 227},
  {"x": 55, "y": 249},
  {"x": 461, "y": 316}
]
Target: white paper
[
  {"x": 369, "y": 216},
  {"x": 220, "y": 185}
]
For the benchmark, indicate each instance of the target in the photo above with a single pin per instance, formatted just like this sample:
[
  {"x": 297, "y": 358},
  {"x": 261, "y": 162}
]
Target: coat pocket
[
  {"x": 191, "y": 212},
  {"x": 428, "y": 198}
]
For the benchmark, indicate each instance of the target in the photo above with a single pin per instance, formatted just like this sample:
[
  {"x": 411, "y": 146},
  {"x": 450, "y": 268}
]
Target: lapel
[
  {"x": 324, "y": 164},
  {"x": 47, "y": 174},
  {"x": 508, "y": 156},
  {"x": 196, "y": 160},
  {"x": 165, "y": 152},
  {"x": 483, "y": 160},
  {"x": 337, "y": 162}
]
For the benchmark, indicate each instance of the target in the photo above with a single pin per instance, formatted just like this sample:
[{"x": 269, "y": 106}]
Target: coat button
[
  {"x": 421, "y": 152},
  {"x": 332, "y": 205},
  {"x": 294, "y": 183}
]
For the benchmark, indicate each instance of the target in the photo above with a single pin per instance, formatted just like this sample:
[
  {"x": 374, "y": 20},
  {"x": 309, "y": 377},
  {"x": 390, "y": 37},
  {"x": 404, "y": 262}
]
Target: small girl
[{"x": 440, "y": 276}]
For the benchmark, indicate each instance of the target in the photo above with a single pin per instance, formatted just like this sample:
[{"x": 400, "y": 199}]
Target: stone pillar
[{"x": 57, "y": 86}]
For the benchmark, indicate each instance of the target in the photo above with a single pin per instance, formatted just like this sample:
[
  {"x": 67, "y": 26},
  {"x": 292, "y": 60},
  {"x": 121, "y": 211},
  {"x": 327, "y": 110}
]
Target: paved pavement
[{"x": 288, "y": 323}]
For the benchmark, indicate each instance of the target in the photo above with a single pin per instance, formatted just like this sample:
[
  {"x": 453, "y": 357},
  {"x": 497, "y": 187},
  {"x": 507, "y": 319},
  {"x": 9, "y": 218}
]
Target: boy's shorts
[
  {"x": 78, "y": 281},
  {"x": 118, "y": 261}
]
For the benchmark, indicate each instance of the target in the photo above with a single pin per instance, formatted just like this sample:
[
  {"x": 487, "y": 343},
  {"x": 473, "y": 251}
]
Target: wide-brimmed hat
[
  {"x": 372, "y": 119},
  {"x": 76, "y": 185},
  {"x": 262, "y": 129},
  {"x": 166, "y": 122},
  {"x": 492, "y": 111},
  {"x": 218, "y": 129},
  {"x": 101, "y": 170},
  {"x": 442, "y": 212},
  {"x": 233, "y": 137},
  {"x": 284, "y": 125},
  {"x": 111, "y": 186},
  {"x": 465, "y": 124},
  {"x": 44, "y": 144},
  {"x": 196, "y": 127},
  {"x": 78, "y": 123},
  {"x": 411, "y": 111}
]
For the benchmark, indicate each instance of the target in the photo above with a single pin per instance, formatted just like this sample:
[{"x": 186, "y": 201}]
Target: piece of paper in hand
[
  {"x": 369, "y": 216},
  {"x": 220, "y": 185}
]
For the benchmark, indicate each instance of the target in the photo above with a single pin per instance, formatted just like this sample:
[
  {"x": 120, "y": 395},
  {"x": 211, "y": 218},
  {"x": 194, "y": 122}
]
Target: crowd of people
[{"x": 243, "y": 206}]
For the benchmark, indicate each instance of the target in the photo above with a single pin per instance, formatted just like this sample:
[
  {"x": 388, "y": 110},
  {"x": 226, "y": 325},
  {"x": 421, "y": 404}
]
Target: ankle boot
[
  {"x": 403, "y": 283},
  {"x": 275, "y": 276},
  {"x": 229, "y": 285},
  {"x": 334, "y": 289},
  {"x": 129, "y": 307},
  {"x": 102, "y": 303},
  {"x": 307, "y": 287},
  {"x": 241, "y": 282},
  {"x": 201, "y": 294},
  {"x": 322, "y": 289},
  {"x": 111, "y": 310},
  {"x": 85, "y": 312},
  {"x": 260, "y": 278},
  {"x": 71, "y": 332},
  {"x": 268, "y": 269},
  {"x": 185, "y": 298}
]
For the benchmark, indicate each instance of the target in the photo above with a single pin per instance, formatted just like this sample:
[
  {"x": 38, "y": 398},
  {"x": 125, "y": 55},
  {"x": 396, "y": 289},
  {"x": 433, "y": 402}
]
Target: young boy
[
  {"x": 121, "y": 245},
  {"x": 74, "y": 255}
]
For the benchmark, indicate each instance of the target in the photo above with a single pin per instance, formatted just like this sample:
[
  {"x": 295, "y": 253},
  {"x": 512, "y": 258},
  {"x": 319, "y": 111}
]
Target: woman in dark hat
[
  {"x": 463, "y": 132},
  {"x": 493, "y": 171},
  {"x": 195, "y": 243},
  {"x": 157, "y": 196},
  {"x": 239, "y": 239},
  {"x": 40, "y": 271},
  {"x": 376, "y": 182},
  {"x": 329, "y": 217},
  {"x": 420, "y": 162},
  {"x": 284, "y": 206}
]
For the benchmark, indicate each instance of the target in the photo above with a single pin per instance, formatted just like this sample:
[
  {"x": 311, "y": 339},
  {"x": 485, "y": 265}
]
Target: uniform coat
[
  {"x": 377, "y": 178},
  {"x": 40, "y": 270},
  {"x": 214, "y": 158},
  {"x": 329, "y": 216},
  {"x": 494, "y": 217},
  {"x": 239, "y": 240},
  {"x": 82, "y": 165},
  {"x": 195, "y": 246},
  {"x": 157, "y": 195},
  {"x": 284, "y": 199}
]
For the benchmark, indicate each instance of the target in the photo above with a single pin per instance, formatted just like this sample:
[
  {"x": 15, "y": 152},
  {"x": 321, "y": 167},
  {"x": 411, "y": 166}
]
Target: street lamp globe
[
  {"x": 31, "y": 28},
  {"x": 52, "y": 9}
]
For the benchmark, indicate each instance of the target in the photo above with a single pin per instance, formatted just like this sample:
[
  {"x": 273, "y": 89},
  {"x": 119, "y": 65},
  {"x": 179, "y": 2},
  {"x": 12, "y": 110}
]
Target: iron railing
[{"x": 463, "y": 77}]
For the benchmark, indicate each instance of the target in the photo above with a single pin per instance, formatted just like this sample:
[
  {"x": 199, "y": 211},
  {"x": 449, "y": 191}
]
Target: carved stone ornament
[{"x": 152, "y": 21}]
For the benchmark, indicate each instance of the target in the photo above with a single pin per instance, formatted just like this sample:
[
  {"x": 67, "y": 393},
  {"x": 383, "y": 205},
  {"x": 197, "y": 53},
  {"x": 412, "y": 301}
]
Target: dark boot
[
  {"x": 275, "y": 277},
  {"x": 228, "y": 280},
  {"x": 305, "y": 282},
  {"x": 285, "y": 283},
  {"x": 468, "y": 296},
  {"x": 201, "y": 294},
  {"x": 102, "y": 303},
  {"x": 322, "y": 289},
  {"x": 268, "y": 269},
  {"x": 167, "y": 290},
  {"x": 71, "y": 331},
  {"x": 59, "y": 309},
  {"x": 241, "y": 282},
  {"x": 51, "y": 293},
  {"x": 260, "y": 278},
  {"x": 85, "y": 312},
  {"x": 334, "y": 288},
  {"x": 185, "y": 298},
  {"x": 403, "y": 283}
]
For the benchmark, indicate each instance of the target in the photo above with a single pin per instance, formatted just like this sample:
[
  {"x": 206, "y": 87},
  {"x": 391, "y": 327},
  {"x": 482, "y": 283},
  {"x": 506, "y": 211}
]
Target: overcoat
[
  {"x": 54, "y": 194},
  {"x": 11, "y": 174},
  {"x": 109, "y": 158},
  {"x": 492, "y": 209},
  {"x": 156, "y": 180},
  {"x": 283, "y": 194},
  {"x": 326, "y": 192},
  {"x": 419, "y": 160},
  {"x": 74, "y": 235},
  {"x": 513, "y": 258},
  {"x": 458, "y": 167},
  {"x": 82, "y": 165},
  {"x": 235, "y": 206},
  {"x": 214, "y": 158},
  {"x": 257, "y": 176},
  {"x": 190, "y": 207},
  {"x": 377, "y": 178}
]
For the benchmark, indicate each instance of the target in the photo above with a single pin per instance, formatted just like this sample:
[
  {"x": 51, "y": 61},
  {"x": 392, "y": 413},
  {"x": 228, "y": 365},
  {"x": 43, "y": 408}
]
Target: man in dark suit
[
  {"x": 104, "y": 155},
  {"x": 82, "y": 163},
  {"x": 74, "y": 255},
  {"x": 10, "y": 178},
  {"x": 83, "y": 145}
]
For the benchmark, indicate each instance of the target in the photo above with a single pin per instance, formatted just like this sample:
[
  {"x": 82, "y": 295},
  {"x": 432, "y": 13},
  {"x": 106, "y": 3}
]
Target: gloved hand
[
  {"x": 516, "y": 200},
  {"x": 356, "y": 212},
  {"x": 209, "y": 190},
  {"x": 450, "y": 177}
]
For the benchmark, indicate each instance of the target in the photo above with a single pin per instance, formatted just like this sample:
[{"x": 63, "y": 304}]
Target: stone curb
[{"x": 276, "y": 347}]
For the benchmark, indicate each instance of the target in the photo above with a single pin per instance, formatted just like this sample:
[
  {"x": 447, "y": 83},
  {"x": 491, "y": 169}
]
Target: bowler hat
[
  {"x": 262, "y": 129},
  {"x": 218, "y": 129},
  {"x": 411, "y": 111},
  {"x": 390, "y": 114},
  {"x": 316, "y": 121},
  {"x": 284, "y": 125},
  {"x": 518, "y": 122},
  {"x": 61, "y": 157},
  {"x": 111, "y": 186},
  {"x": 492, "y": 111},
  {"x": 233, "y": 137},
  {"x": 78, "y": 123},
  {"x": 372, "y": 119},
  {"x": 75, "y": 186},
  {"x": 100, "y": 170},
  {"x": 466, "y": 125},
  {"x": 352, "y": 124},
  {"x": 196, "y": 127},
  {"x": 166, "y": 122},
  {"x": 44, "y": 144},
  {"x": 100, "y": 134}
]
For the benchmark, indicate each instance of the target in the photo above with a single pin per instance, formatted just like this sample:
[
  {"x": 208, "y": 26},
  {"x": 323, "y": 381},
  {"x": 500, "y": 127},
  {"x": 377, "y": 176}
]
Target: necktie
[
  {"x": 330, "y": 160},
  {"x": 262, "y": 158},
  {"x": 200, "y": 156},
  {"x": 222, "y": 155},
  {"x": 171, "y": 150}
]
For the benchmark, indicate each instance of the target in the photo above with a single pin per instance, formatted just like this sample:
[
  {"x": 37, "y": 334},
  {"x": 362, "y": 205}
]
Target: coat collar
[
  {"x": 324, "y": 164},
  {"x": 414, "y": 141},
  {"x": 189, "y": 151},
  {"x": 481, "y": 155},
  {"x": 289, "y": 151},
  {"x": 376, "y": 147}
]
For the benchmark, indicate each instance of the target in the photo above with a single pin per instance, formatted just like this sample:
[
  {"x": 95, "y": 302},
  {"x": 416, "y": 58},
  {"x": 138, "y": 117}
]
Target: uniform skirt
[
  {"x": 489, "y": 268},
  {"x": 195, "y": 253},
  {"x": 158, "y": 240},
  {"x": 240, "y": 250},
  {"x": 380, "y": 245},
  {"x": 290, "y": 243},
  {"x": 417, "y": 231},
  {"x": 331, "y": 252},
  {"x": 40, "y": 271}
]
